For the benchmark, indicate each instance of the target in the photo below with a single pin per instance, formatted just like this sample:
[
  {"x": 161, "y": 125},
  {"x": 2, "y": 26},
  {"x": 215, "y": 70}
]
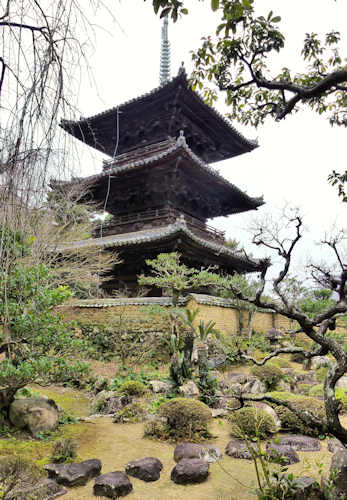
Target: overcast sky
[{"x": 295, "y": 156}]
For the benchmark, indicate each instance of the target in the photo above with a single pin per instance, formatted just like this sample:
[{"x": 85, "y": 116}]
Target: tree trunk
[{"x": 188, "y": 351}]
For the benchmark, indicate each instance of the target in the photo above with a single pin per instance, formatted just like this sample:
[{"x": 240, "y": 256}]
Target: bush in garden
[
  {"x": 186, "y": 418},
  {"x": 269, "y": 374},
  {"x": 17, "y": 473},
  {"x": 131, "y": 413},
  {"x": 341, "y": 394},
  {"x": 64, "y": 451},
  {"x": 281, "y": 363},
  {"x": 251, "y": 422},
  {"x": 74, "y": 373},
  {"x": 316, "y": 391},
  {"x": 290, "y": 422},
  {"x": 133, "y": 388},
  {"x": 321, "y": 373},
  {"x": 304, "y": 389}
]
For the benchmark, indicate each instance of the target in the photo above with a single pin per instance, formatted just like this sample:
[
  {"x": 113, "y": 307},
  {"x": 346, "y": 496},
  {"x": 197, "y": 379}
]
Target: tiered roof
[{"x": 159, "y": 115}]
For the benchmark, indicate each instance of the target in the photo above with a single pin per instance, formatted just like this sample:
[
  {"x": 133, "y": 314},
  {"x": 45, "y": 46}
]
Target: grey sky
[{"x": 294, "y": 157}]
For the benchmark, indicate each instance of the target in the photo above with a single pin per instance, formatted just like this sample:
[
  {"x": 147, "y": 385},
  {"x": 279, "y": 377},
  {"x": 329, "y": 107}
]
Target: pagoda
[{"x": 158, "y": 184}]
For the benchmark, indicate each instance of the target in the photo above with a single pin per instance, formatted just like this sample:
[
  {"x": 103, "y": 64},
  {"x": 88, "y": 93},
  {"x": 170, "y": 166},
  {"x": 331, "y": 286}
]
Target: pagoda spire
[{"x": 165, "y": 54}]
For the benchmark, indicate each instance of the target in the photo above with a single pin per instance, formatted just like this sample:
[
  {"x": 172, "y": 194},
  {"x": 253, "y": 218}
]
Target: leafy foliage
[
  {"x": 64, "y": 451},
  {"x": 269, "y": 374},
  {"x": 186, "y": 418},
  {"x": 251, "y": 422},
  {"x": 133, "y": 388}
]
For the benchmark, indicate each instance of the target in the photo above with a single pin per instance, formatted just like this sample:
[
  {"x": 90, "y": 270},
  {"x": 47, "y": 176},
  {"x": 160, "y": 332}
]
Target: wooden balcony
[{"x": 157, "y": 218}]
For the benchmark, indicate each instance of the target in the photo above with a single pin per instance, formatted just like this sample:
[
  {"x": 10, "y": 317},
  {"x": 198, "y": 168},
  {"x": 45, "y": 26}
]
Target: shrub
[
  {"x": 304, "y": 388},
  {"x": 130, "y": 414},
  {"x": 133, "y": 388},
  {"x": 75, "y": 374},
  {"x": 321, "y": 373},
  {"x": 316, "y": 391},
  {"x": 269, "y": 374},
  {"x": 251, "y": 422},
  {"x": 342, "y": 396},
  {"x": 17, "y": 473},
  {"x": 281, "y": 362},
  {"x": 64, "y": 451},
  {"x": 186, "y": 418},
  {"x": 291, "y": 422},
  {"x": 156, "y": 429}
]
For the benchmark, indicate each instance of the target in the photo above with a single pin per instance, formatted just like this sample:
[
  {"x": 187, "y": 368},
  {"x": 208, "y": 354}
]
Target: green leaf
[
  {"x": 214, "y": 5},
  {"x": 276, "y": 19}
]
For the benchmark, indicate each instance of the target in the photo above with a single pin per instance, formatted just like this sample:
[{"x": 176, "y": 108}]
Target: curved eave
[
  {"x": 176, "y": 230},
  {"x": 86, "y": 129}
]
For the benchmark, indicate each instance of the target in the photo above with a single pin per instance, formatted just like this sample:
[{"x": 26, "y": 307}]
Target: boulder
[
  {"x": 36, "y": 414},
  {"x": 335, "y": 445},
  {"x": 190, "y": 471},
  {"x": 44, "y": 488},
  {"x": 307, "y": 488},
  {"x": 160, "y": 387},
  {"x": 219, "y": 413},
  {"x": 287, "y": 454},
  {"x": 207, "y": 453},
  {"x": 267, "y": 408},
  {"x": 100, "y": 384},
  {"x": 112, "y": 485},
  {"x": 300, "y": 443},
  {"x": 238, "y": 378},
  {"x": 253, "y": 386},
  {"x": 76, "y": 474},
  {"x": 319, "y": 361},
  {"x": 148, "y": 469},
  {"x": 236, "y": 448},
  {"x": 189, "y": 390},
  {"x": 338, "y": 472},
  {"x": 109, "y": 402},
  {"x": 342, "y": 383}
]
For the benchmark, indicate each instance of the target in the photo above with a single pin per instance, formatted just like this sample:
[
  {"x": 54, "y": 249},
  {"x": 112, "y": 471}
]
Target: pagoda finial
[{"x": 165, "y": 53}]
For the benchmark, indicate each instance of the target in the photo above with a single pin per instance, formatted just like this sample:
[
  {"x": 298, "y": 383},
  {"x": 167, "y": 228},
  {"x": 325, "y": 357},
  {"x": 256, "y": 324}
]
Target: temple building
[{"x": 158, "y": 184}]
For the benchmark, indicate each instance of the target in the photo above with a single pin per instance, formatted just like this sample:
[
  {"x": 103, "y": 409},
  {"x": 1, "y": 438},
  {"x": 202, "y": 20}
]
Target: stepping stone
[
  {"x": 190, "y": 471},
  {"x": 148, "y": 469},
  {"x": 236, "y": 448},
  {"x": 300, "y": 443},
  {"x": 286, "y": 453},
  {"x": 207, "y": 453},
  {"x": 77, "y": 474},
  {"x": 112, "y": 485}
]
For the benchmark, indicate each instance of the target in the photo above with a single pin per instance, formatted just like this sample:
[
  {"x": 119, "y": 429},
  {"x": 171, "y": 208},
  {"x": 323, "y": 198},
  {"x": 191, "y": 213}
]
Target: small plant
[
  {"x": 156, "y": 403},
  {"x": 251, "y": 422},
  {"x": 130, "y": 414},
  {"x": 133, "y": 388},
  {"x": 270, "y": 374},
  {"x": 64, "y": 451},
  {"x": 321, "y": 373},
  {"x": 186, "y": 419},
  {"x": 316, "y": 391}
]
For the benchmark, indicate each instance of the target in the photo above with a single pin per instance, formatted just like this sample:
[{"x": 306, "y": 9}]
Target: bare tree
[{"x": 316, "y": 327}]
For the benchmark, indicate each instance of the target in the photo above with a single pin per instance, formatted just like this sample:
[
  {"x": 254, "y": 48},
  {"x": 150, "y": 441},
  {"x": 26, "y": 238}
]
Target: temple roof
[
  {"x": 159, "y": 115},
  {"x": 178, "y": 231},
  {"x": 213, "y": 194}
]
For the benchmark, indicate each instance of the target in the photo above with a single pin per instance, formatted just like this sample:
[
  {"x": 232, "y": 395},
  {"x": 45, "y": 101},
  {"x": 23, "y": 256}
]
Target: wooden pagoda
[{"x": 159, "y": 186}]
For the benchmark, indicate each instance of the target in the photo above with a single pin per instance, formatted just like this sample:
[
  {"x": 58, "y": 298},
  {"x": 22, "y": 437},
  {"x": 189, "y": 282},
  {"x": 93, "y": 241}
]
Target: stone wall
[{"x": 221, "y": 311}]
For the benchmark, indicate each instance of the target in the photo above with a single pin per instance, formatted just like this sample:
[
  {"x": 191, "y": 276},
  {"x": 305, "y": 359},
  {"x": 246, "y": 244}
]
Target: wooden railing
[{"x": 164, "y": 214}]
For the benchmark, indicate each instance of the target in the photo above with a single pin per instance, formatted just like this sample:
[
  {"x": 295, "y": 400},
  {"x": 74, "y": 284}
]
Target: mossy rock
[
  {"x": 130, "y": 414},
  {"x": 304, "y": 389},
  {"x": 281, "y": 363},
  {"x": 133, "y": 388},
  {"x": 251, "y": 422},
  {"x": 291, "y": 422},
  {"x": 186, "y": 418},
  {"x": 269, "y": 373},
  {"x": 317, "y": 391}
]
